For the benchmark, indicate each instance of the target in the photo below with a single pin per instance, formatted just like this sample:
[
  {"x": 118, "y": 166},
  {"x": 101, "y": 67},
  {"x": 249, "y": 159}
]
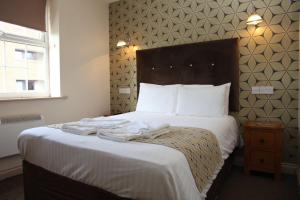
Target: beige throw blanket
[{"x": 200, "y": 148}]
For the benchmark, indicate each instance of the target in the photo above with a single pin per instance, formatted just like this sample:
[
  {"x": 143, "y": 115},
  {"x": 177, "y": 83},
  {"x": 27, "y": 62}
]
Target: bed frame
[
  {"x": 214, "y": 62},
  {"x": 40, "y": 184}
]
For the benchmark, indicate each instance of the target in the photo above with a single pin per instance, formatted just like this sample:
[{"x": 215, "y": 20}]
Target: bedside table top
[{"x": 267, "y": 125}]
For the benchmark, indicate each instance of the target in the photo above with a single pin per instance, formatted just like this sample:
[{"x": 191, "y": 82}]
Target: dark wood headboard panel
[{"x": 213, "y": 62}]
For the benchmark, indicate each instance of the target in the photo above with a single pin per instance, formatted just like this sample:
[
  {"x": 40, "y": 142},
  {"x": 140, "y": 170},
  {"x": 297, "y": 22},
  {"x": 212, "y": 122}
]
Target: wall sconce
[
  {"x": 254, "y": 19},
  {"x": 121, "y": 43},
  {"x": 124, "y": 43}
]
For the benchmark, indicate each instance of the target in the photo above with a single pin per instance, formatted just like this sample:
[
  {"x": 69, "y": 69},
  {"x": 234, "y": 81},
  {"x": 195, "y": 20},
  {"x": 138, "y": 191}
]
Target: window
[
  {"x": 21, "y": 85},
  {"x": 31, "y": 55},
  {"x": 24, "y": 68},
  {"x": 19, "y": 54}
]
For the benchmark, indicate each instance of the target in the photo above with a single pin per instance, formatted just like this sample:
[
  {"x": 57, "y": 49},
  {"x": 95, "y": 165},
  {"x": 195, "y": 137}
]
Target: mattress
[{"x": 133, "y": 170}]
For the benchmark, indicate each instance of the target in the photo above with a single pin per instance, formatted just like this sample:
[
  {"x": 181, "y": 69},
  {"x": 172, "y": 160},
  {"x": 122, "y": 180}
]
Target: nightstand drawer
[
  {"x": 263, "y": 140},
  {"x": 261, "y": 160}
]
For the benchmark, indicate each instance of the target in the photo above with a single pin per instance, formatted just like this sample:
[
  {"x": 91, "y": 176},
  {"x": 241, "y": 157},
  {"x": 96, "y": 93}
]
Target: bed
[{"x": 59, "y": 165}]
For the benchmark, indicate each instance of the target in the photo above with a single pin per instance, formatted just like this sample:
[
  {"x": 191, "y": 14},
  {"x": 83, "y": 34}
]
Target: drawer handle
[
  {"x": 262, "y": 160},
  {"x": 262, "y": 141}
]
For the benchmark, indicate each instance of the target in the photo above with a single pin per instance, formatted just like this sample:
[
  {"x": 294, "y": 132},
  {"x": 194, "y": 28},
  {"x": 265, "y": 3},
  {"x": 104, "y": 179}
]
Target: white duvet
[{"x": 133, "y": 170}]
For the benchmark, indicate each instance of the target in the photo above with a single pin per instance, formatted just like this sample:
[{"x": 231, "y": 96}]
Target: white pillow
[
  {"x": 157, "y": 98},
  {"x": 226, "y": 109},
  {"x": 206, "y": 102},
  {"x": 227, "y": 92}
]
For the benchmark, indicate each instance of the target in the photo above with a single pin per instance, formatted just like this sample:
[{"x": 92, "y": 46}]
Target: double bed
[{"x": 60, "y": 165}]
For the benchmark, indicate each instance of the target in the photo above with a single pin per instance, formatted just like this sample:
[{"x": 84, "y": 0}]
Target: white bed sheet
[{"x": 133, "y": 170}]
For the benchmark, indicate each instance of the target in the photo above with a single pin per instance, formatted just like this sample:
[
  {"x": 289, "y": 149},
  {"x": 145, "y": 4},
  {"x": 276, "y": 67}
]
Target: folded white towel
[
  {"x": 102, "y": 122},
  {"x": 133, "y": 130},
  {"x": 115, "y": 129},
  {"x": 89, "y": 126},
  {"x": 78, "y": 130},
  {"x": 123, "y": 138}
]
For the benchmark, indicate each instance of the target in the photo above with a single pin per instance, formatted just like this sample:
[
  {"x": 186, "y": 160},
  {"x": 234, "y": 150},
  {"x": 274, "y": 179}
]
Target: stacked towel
[
  {"x": 116, "y": 129},
  {"x": 78, "y": 129},
  {"x": 103, "y": 122},
  {"x": 89, "y": 126},
  {"x": 133, "y": 130}
]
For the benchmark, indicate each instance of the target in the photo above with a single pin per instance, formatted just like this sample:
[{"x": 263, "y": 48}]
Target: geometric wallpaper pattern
[{"x": 269, "y": 52}]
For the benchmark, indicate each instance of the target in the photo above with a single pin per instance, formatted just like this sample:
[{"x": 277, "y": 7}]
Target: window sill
[{"x": 31, "y": 99}]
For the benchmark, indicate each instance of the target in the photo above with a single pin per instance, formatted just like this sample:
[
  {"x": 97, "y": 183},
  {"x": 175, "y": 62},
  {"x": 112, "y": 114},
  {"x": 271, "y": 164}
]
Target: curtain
[{"x": 27, "y": 13}]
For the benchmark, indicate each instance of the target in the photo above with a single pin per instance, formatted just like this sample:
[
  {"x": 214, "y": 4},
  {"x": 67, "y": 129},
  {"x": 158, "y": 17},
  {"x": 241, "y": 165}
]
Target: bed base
[{"x": 41, "y": 184}]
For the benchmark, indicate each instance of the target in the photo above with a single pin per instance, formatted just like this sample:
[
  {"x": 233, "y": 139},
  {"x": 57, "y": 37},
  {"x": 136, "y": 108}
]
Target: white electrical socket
[
  {"x": 267, "y": 90},
  {"x": 262, "y": 90},
  {"x": 124, "y": 90},
  {"x": 255, "y": 90}
]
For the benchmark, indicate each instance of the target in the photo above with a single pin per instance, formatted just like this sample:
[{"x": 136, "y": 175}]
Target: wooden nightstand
[{"x": 263, "y": 147}]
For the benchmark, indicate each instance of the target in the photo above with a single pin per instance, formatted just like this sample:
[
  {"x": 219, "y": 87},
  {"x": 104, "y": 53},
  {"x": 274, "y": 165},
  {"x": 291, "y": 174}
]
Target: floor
[
  {"x": 12, "y": 189},
  {"x": 258, "y": 186}
]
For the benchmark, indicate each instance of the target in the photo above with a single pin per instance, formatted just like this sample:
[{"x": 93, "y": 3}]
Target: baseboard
[{"x": 11, "y": 172}]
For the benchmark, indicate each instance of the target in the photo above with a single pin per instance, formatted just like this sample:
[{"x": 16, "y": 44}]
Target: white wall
[{"x": 84, "y": 62}]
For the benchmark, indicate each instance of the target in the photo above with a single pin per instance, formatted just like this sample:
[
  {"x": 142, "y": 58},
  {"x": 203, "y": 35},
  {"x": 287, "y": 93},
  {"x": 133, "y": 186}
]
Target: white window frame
[{"x": 6, "y": 37}]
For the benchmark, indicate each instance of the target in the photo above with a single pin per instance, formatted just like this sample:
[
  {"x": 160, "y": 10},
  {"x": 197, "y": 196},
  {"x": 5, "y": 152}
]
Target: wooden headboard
[{"x": 213, "y": 62}]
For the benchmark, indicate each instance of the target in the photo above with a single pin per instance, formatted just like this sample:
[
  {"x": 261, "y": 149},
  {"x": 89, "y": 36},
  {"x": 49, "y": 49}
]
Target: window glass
[
  {"x": 24, "y": 69},
  {"x": 21, "y": 85},
  {"x": 19, "y": 54},
  {"x": 21, "y": 31}
]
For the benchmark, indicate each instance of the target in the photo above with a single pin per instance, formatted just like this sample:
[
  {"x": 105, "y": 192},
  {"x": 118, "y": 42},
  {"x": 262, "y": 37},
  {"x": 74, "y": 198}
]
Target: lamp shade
[
  {"x": 254, "y": 19},
  {"x": 121, "y": 43}
]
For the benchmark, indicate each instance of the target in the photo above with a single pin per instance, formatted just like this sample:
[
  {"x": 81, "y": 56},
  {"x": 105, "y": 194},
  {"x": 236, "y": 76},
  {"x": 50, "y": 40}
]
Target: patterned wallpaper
[{"x": 268, "y": 52}]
